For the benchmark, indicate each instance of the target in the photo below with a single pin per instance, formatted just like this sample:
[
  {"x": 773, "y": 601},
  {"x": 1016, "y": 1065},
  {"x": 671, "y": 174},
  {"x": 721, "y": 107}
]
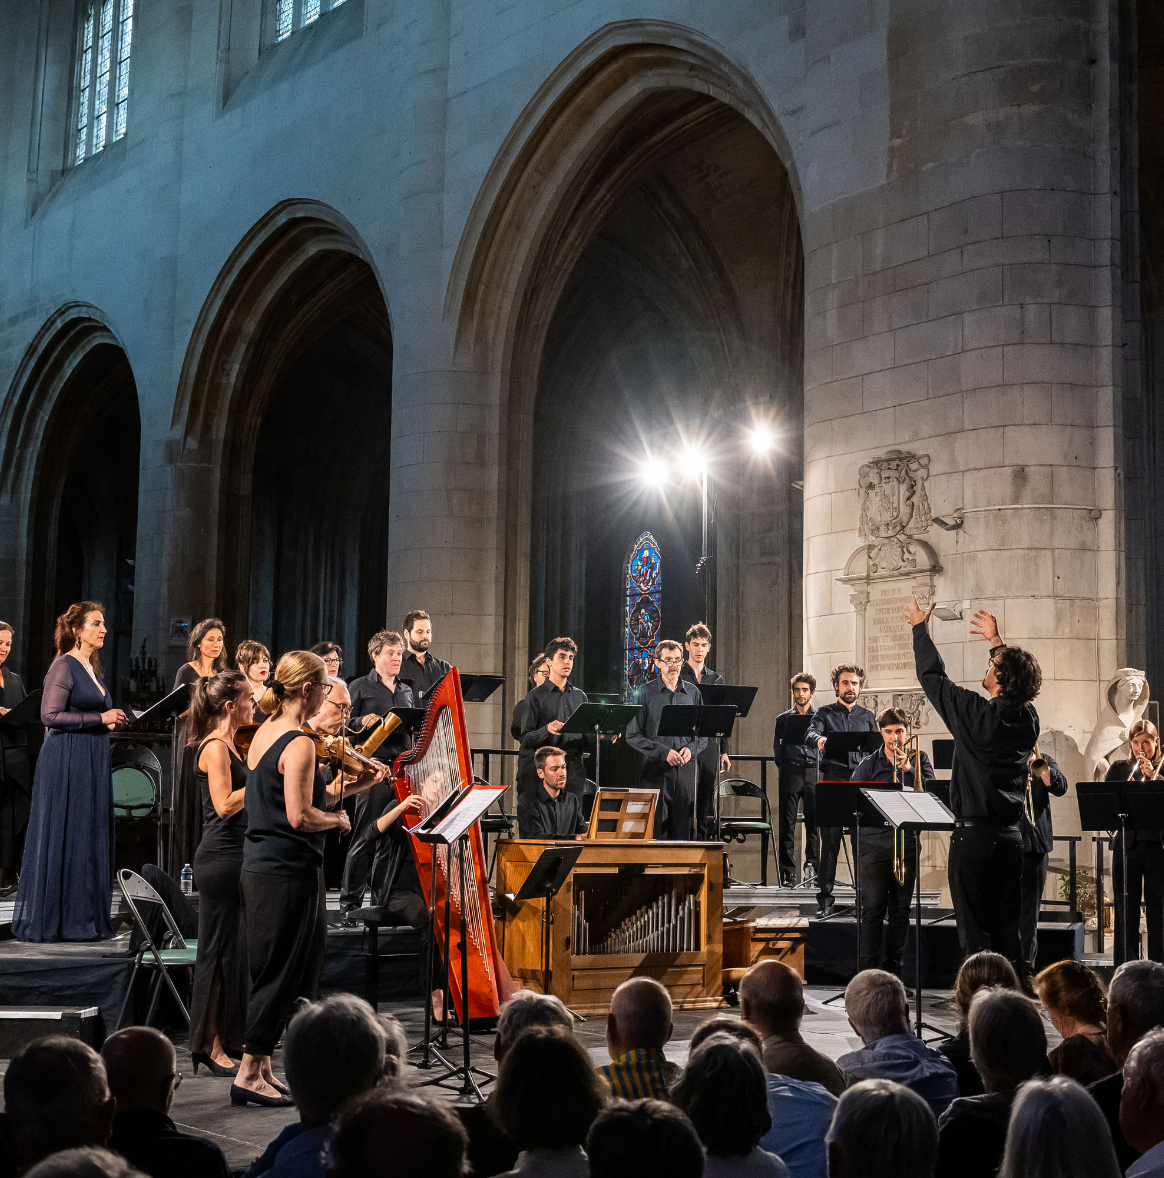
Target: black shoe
[
  {"x": 826, "y": 908},
  {"x": 348, "y": 921},
  {"x": 215, "y": 1069},
  {"x": 243, "y": 1096}
]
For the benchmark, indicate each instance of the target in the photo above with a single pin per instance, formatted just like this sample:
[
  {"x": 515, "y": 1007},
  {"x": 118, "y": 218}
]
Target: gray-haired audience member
[
  {"x": 1135, "y": 1005},
  {"x": 878, "y": 1011},
  {"x": 336, "y": 1051},
  {"x": 882, "y": 1130},
  {"x": 142, "y": 1068},
  {"x": 398, "y": 1135},
  {"x": 528, "y": 1008},
  {"x": 1142, "y": 1104},
  {"x": 56, "y": 1097},
  {"x": 85, "y": 1162},
  {"x": 643, "y": 1139},
  {"x": 1009, "y": 1047},
  {"x": 1057, "y": 1131}
]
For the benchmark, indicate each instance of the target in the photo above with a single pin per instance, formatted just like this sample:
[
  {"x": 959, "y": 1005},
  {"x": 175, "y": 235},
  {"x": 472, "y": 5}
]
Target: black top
[
  {"x": 709, "y": 754},
  {"x": 878, "y": 767},
  {"x": 221, "y": 834},
  {"x": 489, "y": 1151},
  {"x": 519, "y": 710},
  {"x": 835, "y": 717},
  {"x": 1128, "y": 771},
  {"x": 543, "y": 705},
  {"x": 972, "y": 1135},
  {"x": 1040, "y": 838},
  {"x": 14, "y": 740},
  {"x": 992, "y": 740},
  {"x": 371, "y": 696},
  {"x": 957, "y": 1051},
  {"x": 543, "y": 817},
  {"x": 421, "y": 678},
  {"x": 150, "y": 1141},
  {"x": 642, "y": 733},
  {"x": 1107, "y": 1093},
  {"x": 273, "y": 846},
  {"x": 1085, "y": 1057},
  {"x": 791, "y": 752},
  {"x": 186, "y": 674}
]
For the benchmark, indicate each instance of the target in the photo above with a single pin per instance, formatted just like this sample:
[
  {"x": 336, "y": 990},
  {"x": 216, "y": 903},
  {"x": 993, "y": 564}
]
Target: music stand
[
  {"x": 476, "y": 689},
  {"x": 601, "y": 720},
  {"x": 25, "y": 712},
  {"x": 706, "y": 720},
  {"x": 916, "y": 811},
  {"x": 943, "y": 753},
  {"x": 168, "y": 708},
  {"x": 740, "y": 698},
  {"x": 546, "y": 877}
]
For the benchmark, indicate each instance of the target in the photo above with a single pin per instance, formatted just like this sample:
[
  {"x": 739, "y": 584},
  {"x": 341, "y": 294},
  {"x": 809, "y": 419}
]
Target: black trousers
[
  {"x": 986, "y": 879},
  {"x": 797, "y": 786},
  {"x": 883, "y": 943},
  {"x": 362, "y": 849},
  {"x": 286, "y": 918},
  {"x": 705, "y": 791},
  {"x": 675, "y": 809},
  {"x": 1146, "y": 878},
  {"x": 830, "y": 840},
  {"x": 1034, "y": 880}
]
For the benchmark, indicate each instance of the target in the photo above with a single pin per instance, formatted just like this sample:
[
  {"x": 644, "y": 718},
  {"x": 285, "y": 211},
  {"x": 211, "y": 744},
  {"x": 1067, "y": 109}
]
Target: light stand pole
[{"x": 703, "y": 568}]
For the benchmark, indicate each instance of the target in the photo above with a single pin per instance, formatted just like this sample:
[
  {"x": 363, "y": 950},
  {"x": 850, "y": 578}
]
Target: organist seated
[{"x": 549, "y": 811}]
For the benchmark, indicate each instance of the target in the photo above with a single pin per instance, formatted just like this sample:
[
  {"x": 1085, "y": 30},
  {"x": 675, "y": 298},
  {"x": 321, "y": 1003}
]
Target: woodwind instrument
[{"x": 379, "y": 734}]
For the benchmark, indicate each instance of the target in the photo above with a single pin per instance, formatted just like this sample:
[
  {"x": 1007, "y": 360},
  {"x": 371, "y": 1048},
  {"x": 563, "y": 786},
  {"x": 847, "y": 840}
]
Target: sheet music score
[
  {"x": 904, "y": 807},
  {"x": 475, "y": 802}
]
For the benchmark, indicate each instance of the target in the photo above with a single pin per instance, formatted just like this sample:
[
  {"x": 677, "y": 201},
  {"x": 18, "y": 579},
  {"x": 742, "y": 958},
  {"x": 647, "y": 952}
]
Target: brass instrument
[
  {"x": 1034, "y": 769},
  {"x": 912, "y": 742},
  {"x": 379, "y": 734}
]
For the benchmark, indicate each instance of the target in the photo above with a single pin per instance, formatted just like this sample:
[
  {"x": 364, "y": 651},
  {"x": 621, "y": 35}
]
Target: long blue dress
[{"x": 66, "y": 886}]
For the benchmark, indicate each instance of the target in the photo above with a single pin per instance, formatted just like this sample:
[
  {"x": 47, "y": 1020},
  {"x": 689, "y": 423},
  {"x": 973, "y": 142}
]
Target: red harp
[{"x": 438, "y": 765}]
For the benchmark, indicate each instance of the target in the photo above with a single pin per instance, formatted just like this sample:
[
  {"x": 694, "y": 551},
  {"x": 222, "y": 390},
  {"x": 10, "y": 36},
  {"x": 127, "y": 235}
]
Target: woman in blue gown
[{"x": 66, "y": 883}]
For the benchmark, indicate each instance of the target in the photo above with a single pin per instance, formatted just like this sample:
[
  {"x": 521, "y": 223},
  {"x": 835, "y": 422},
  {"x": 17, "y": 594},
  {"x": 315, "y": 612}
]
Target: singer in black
[
  {"x": 1038, "y": 840},
  {"x": 845, "y": 715},
  {"x": 550, "y": 811},
  {"x": 539, "y": 672},
  {"x": 798, "y": 764},
  {"x": 993, "y": 740},
  {"x": 546, "y": 711},
  {"x": 882, "y": 893},
  {"x": 695, "y": 670},
  {"x": 421, "y": 670}
]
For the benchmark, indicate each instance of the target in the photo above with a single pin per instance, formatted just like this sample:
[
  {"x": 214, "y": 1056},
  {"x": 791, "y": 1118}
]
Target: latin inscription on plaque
[{"x": 888, "y": 638}]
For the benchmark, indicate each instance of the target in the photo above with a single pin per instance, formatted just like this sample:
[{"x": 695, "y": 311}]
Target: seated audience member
[
  {"x": 643, "y": 1139},
  {"x": 1057, "y": 1131},
  {"x": 801, "y": 1110},
  {"x": 772, "y": 1001},
  {"x": 1135, "y": 1005},
  {"x": 1009, "y": 1047},
  {"x": 86, "y": 1162},
  {"x": 142, "y": 1068},
  {"x": 882, "y": 1130},
  {"x": 1142, "y": 1105},
  {"x": 397, "y": 1135},
  {"x": 1075, "y": 1002},
  {"x": 637, "y": 1028},
  {"x": 724, "y": 1091},
  {"x": 56, "y": 1097},
  {"x": 980, "y": 969},
  {"x": 336, "y": 1051},
  {"x": 878, "y": 1011},
  {"x": 490, "y": 1151},
  {"x": 547, "y": 1097}
]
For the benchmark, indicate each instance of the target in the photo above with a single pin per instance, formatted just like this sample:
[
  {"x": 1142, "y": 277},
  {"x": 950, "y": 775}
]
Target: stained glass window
[
  {"x": 298, "y": 14},
  {"x": 105, "y": 38},
  {"x": 642, "y": 613}
]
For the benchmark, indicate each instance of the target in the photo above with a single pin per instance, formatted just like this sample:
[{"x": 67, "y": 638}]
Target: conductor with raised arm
[{"x": 994, "y": 736}]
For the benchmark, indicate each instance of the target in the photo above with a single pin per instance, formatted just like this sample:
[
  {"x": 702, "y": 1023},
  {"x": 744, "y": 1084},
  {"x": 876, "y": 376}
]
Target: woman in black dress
[
  {"x": 539, "y": 672},
  {"x": 15, "y": 772},
  {"x": 221, "y": 705},
  {"x": 254, "y": 660},
  {"x": 288, "y": 815}
]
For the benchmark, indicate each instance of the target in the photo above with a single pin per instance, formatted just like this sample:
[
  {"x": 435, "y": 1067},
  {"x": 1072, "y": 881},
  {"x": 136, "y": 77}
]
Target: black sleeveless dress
[{"x": 221, "y": 978}]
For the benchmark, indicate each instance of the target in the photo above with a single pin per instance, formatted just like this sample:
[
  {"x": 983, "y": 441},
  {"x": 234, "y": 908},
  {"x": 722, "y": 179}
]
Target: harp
[{"x": 438, "y": 765}]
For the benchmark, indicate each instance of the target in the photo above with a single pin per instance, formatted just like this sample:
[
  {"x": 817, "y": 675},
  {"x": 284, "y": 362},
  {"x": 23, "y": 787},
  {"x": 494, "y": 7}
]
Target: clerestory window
[
  {"x": 104, "y": 41},
  {"x": 297, "y": 14}
]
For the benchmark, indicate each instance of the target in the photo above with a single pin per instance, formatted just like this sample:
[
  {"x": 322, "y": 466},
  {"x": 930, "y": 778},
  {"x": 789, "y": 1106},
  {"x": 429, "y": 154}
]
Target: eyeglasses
[
  {"x": 177, "y": 1078},
  {"x": 325, "y": 688},
  {"x": 333, "y": 660},
  {"x": 670, "y": 662},
  {"x": 343, "y": 709}
]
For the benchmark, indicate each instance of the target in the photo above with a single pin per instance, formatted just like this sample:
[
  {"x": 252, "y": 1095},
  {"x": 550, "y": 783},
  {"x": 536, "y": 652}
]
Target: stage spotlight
[
  {"x": 653, "y": 472},
  {"x": 761, "y": 439}
]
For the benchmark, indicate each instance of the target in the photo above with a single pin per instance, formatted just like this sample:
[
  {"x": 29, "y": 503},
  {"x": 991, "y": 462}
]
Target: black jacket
[
  {"x": 1107, "y": 1093},
  {"x": 835, "y": 717},
  {"x": 1040, "y": 838},
  {"x": 422, "y": 679},
  {"x": 541, "y": 817},
  {"x": 372, "y": 696},
  {"x": 150, "y": 1141},
  {"x": 789, "y": 753},
  {"x": 972, "y": 1135},
  {"x": 543, "y": 705},
  {"x": 992, "y": 740},
  {"x": 1122, "y": 771}
]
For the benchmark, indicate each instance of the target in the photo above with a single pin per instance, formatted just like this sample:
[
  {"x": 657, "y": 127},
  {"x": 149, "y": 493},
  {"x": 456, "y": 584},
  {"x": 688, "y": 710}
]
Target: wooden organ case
[{"x": 627, "y": 909}]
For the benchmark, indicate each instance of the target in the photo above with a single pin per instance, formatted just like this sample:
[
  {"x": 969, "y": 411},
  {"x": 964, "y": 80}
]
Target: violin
[{"x": 335, "y": 751}]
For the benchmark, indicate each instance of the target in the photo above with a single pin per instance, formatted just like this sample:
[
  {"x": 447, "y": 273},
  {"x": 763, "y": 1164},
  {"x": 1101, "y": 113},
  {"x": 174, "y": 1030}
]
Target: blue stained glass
[{"x": 642, "y": 617}]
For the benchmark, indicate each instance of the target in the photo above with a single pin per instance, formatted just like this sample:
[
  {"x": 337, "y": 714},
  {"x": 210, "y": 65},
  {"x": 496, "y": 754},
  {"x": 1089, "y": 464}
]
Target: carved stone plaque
[{"x": 888, "y": 638}]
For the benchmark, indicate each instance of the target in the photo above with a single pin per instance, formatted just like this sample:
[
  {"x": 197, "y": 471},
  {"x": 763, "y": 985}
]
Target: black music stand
[
  {"x": 916, "y": 811},
  {"x": 545, "y": 879},
  {"x": 706, "y": 720},
  {"x": 601, "y": 720},
  {"x": 740, "y": 698},
  {"x": 27, "y": 712},
  {"x": 167, "y": 710},
  {"x": 476, "y": 689},
  {"x": 943, "y": 753}
]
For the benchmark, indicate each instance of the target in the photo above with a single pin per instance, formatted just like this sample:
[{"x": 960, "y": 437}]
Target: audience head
[
  {"x": 724, "y": 1090},
  {"x": 876, "y": 1005},
  {"x": 86, "y": 1162},
  {"x": 528, "y": 1008},
  {"x": 1135, "y": 1004},
  {"x": 339, "y": 1049},
  {"x": 56, "y": 1097},
  {"x": 142, "y": 1068},
  {"x": 640, "y": 1016},
  {"x": 771, "y": 998},
  {"x": 1142, "y": 1101},
  {"x": 548, "y": 1092},
  {"x": 398, "y": 1135},
  {"x": 643, "y": 1139},
  {"x": 882, "y": 1130},
  {"x": 1057, "y": 1131},
  {"x": 724, "y": 1026},
  {"x": 981, "y": 969},
  {"x": 217, "y": 696},
  {"x": 1072, "y": 996},
  {"x": 1007, "y": 1042}
]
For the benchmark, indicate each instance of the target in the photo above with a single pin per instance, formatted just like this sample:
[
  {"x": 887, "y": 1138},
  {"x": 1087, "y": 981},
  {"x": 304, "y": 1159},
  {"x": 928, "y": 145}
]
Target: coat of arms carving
[{"x": 894, "y": 508}]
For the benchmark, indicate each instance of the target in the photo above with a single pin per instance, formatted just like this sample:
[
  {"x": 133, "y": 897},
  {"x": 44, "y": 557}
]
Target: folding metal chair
[
  {"x": 175, "y": 950},
  {"x": 736, "y": 827}
]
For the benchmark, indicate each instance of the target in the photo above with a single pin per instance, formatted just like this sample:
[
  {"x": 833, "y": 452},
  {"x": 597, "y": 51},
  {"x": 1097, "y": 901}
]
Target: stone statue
[{"x": 1127, "y": 701}]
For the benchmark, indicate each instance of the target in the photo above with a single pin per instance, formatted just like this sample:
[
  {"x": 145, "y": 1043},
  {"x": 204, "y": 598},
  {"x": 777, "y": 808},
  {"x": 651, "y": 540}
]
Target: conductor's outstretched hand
[
  {"x": 985, "y": 625},
  {"x": 913, "y": 613}
]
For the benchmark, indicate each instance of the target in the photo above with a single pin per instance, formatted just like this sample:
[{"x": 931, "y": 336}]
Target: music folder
[
  {"x": 943, "y": 753},
  {"x": 838, "y": 745},
  {"x": 609, "y": 719},
  {"x": 694, "y": 720},
  {"x": 909, "y": 810},
  {"x": 25, "y": 712},
  {"x": 476, "y": 689},
  {"x": 166, "y": 708},
  {"x": 720, "y": 694}
]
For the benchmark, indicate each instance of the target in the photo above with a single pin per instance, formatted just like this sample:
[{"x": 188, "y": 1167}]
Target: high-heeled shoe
[
  {"x": 215, "y": 1069},
  {"x": 243, "y": 1096}
]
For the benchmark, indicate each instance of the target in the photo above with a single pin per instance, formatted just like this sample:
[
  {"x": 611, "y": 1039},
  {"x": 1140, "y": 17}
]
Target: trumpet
[{"x": 912, "y": 750}]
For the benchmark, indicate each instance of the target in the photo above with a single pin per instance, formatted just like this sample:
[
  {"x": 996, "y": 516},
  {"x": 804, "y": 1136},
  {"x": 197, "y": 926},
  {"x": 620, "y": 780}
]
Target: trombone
[
  {"x": 1034, "y": 769},
  {"x": 912, "y": 752}
]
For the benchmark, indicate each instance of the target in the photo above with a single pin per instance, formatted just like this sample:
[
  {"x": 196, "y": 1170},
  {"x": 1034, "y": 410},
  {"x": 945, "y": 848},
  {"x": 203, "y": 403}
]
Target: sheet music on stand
[
  {"x": 905, "y": 808},
  {"x": 449, "y": 822}
]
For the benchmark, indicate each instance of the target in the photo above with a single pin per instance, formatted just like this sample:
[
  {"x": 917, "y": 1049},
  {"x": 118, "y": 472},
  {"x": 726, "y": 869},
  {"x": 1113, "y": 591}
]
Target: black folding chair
[{"x": 736, "y": 827}]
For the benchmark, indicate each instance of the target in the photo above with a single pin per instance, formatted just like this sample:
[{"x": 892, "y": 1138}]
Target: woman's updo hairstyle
[
  {"x": 69, "y": 626},
  {"x": 1070, "y": 988},
  {"x": 211, "y": 695},
  {"x": 296, "y": 669}
]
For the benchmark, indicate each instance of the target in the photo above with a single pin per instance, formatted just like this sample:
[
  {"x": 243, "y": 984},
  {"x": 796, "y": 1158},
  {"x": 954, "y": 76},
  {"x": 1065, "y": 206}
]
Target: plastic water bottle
[{"x": 187, "y": 880}]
